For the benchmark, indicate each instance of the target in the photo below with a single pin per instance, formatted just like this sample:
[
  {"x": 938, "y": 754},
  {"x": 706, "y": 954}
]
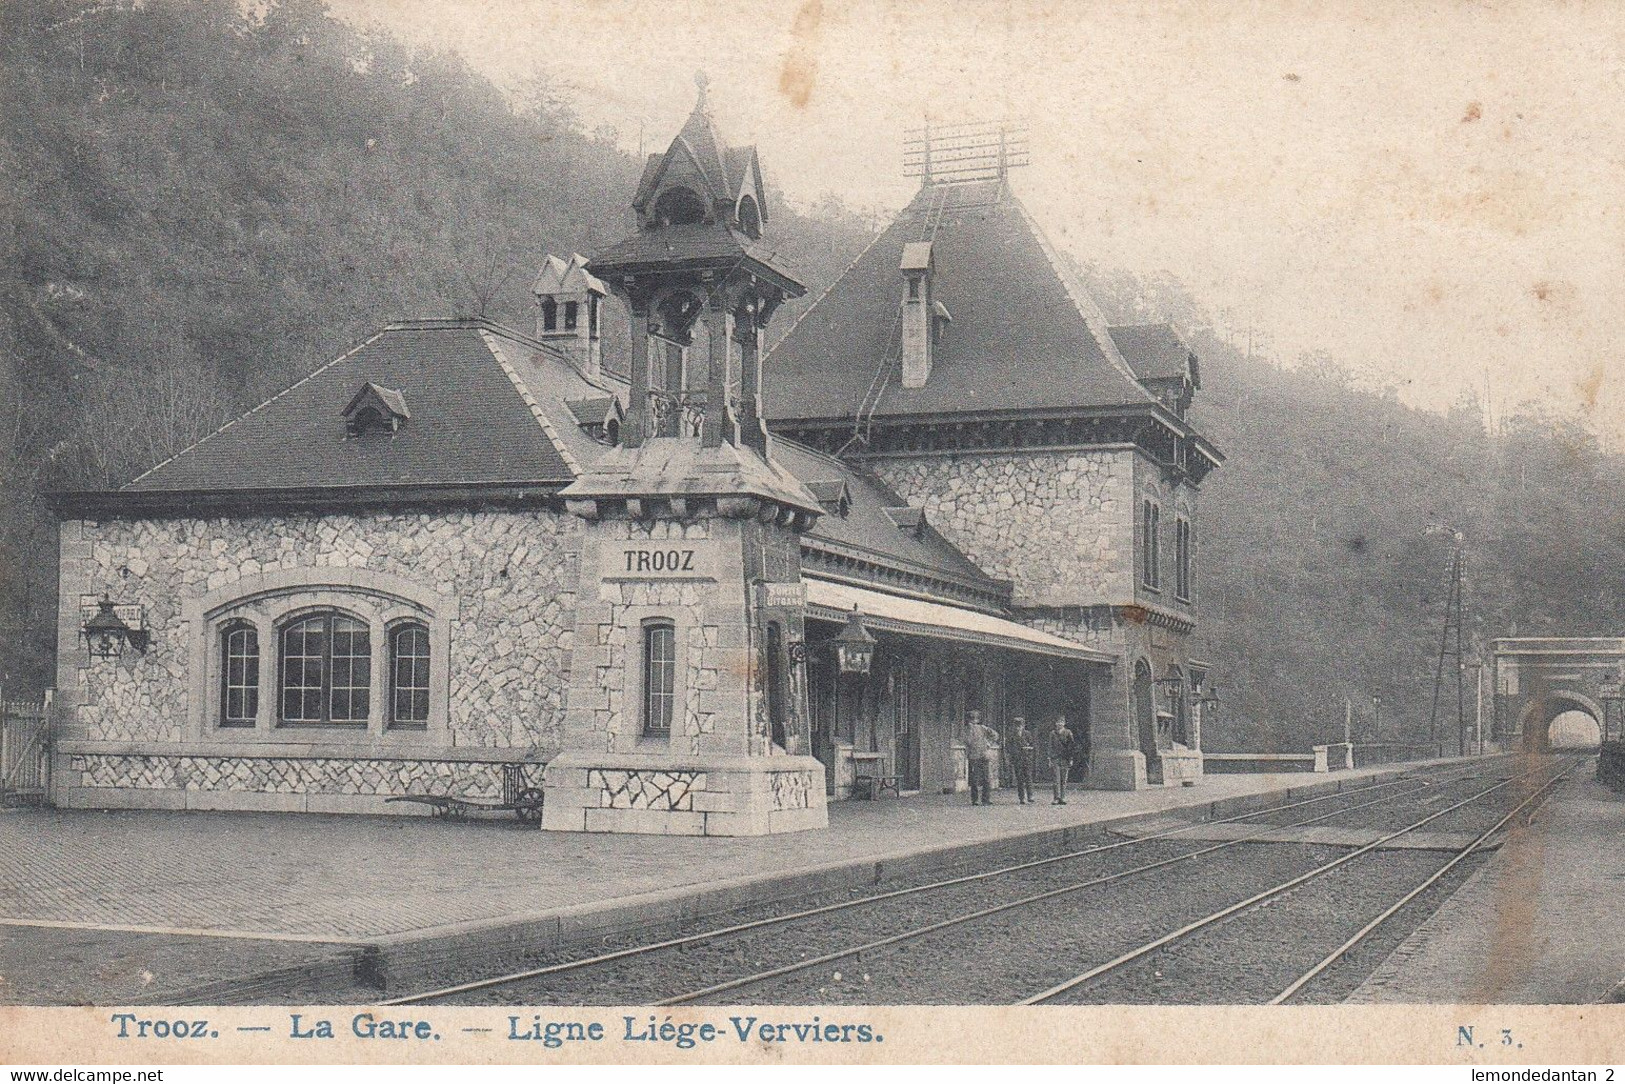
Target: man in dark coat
[
  {"x": 1022, "y": 752},
  {"x": 1063, "y": 747}
]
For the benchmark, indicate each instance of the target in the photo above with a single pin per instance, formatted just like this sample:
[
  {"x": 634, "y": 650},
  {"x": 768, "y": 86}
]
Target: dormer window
[
  {"x": 375, "y": 409},
  {"x": 679, "y": 206},
  {"x": 550, "y": 314},
  {"x": 833, "y": 495},
  {"x": 570, "y": 309},
  {"x": 909, "y": 520},
  {"x": 599, "y": 418}
]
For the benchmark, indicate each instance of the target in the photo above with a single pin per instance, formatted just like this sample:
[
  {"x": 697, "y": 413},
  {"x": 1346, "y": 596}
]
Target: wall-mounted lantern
[
  {"x": 106, "y": 633},
  {"x": 1171, "y": 687},
  {"x": 854, "y": 647},
  {"x": 1209, "y": 700}
]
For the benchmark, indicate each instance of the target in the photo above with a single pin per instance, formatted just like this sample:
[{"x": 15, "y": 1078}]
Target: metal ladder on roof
[{"x": 863, "y": 420}]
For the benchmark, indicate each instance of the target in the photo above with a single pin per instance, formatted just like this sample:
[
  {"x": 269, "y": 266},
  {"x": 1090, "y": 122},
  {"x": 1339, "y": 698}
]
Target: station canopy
[{"x": 830, "y": 601}]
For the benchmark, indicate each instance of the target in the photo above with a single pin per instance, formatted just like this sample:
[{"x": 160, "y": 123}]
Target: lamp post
[
  {"x": 1376, "y": 719},
  {"x": 1478, "y": 709}
]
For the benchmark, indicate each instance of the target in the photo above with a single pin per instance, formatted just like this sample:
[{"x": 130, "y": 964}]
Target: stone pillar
[
  {"x": 717, "y": 427},
  {"x": 1115, "y": 760},
  {"x": 697, "y": 566},
  {"x": 636, "y": 426},
  {"x": 752, "y": 427}
]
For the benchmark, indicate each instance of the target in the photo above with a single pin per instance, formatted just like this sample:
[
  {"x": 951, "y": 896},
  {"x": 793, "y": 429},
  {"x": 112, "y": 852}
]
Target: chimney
[
  {"x": 918, "y": 314},
  {"x": 570, "y": 312}
]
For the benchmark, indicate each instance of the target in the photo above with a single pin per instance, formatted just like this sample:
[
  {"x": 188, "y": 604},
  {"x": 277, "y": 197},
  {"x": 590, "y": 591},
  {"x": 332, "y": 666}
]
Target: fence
[
  {"x": 1320, "y": 758},
  {"x": 1398, "y": 752},
  {"x": 25, "y": 752}
]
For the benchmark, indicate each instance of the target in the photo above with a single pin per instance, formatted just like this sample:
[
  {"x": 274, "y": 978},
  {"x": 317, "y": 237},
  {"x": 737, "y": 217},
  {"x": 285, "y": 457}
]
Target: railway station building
[{"x": 702, "y": 588}]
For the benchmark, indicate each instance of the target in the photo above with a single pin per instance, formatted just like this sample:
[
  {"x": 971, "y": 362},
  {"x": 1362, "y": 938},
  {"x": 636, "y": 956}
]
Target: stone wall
[
  {"x": 507, "y": 579},
  {"x": 709, "y": 796},
  {"x": 279, "y": 775},
  {"x": 605, "y": 694},
  {"x": 1060, "y": 525}
]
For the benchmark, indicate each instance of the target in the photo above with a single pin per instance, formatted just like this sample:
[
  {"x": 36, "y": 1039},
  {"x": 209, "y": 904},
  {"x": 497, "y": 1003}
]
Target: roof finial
[{"x": 702, "y": 81}]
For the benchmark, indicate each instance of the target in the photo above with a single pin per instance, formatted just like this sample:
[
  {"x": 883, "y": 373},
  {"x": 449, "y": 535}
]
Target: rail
[
  {"x": 1406, "y": 786},
  {"x": 1268, "y": 894}
]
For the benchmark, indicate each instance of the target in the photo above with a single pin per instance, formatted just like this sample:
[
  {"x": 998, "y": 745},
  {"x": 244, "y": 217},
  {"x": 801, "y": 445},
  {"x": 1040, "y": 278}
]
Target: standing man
[
  {"x": 1062, "y": 747},
  {"x": 1022, "y": 751},
  {"x": 979, "y": 745}
]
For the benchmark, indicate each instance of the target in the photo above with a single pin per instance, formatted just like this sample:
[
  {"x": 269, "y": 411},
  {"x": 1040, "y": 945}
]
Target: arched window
[
  {"x": 750, "y": 218},
  {"x": 679, "y": 206},
  {"x": 409, "y": 677},
  {"x": 550, "y": 314},
  {"x": 659, "y": 676},
  {"x": 239, "y": 674},
  {"x": 326, "y": 670}
]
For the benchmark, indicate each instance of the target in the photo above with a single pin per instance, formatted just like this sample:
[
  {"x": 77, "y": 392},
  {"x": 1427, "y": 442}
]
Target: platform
[
  {"x": 1538, "y": 924},
  {"x": 159, "y": 902}
]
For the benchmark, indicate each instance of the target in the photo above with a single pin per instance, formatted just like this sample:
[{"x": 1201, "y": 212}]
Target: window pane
[
  {"x": 409, "y": 674},
  {"x": 352, "y": 670},
  {"x": 659, "y": 677},
  {"x": 240, "y": 676},
  {"x": 304, "y": 649}
]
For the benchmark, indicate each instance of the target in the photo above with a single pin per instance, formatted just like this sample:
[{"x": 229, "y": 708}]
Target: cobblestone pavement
[
  {"x": 1539, "y": 924},
  {"x": 339, "y": 878}
]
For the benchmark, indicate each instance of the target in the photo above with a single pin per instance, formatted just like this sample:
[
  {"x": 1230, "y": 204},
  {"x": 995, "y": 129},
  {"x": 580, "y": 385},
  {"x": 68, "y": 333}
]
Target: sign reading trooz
[{"x": 676, "y": 560}]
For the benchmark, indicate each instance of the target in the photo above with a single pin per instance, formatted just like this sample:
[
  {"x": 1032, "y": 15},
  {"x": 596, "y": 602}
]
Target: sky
[{"x": 1431, "y": 191}]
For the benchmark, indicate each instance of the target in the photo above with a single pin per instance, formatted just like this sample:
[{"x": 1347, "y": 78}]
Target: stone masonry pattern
[
  {"x": 632, "y": 789},
  {"x": 1058, "y": 524},
  {"x": 276, "y": 775},
  {"x": 791, "y": 790},
  {"x": 617, "y": 720},
  {"x": 513, "y": 575}
]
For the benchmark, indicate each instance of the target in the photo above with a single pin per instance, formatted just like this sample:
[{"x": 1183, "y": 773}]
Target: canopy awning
[{"x": 916, "y": 617}]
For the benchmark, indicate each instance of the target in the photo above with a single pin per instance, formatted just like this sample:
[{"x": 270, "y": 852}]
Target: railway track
[
  {"x": 1145, "y": 953},
  {"x": 604, "y": 976}
]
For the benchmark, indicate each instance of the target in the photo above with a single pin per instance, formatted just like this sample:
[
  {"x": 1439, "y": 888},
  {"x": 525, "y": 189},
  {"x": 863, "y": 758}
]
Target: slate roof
[
  {"x": 558, "y": 276},
  {"x": 1025, "y": 334},
  {"x": 723, "y": 169},
  {"x": 868, "y": 528},
  {"x": 490, "y": 405},
  {"x": 1156, "y": 352},
  {"x": 470, "y": 422},
  {"x": 712, "y": 243}
]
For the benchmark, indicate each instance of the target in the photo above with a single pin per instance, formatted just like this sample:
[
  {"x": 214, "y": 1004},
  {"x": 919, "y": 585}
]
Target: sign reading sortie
[{"x": 675, "y": 560}]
